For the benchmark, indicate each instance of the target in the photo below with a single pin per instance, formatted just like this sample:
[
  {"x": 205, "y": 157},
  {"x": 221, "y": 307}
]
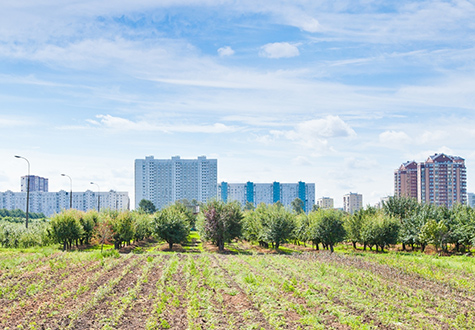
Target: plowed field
[{"x": 156, "y": 290}]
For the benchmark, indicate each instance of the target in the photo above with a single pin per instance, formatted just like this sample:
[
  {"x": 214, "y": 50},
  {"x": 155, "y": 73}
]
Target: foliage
[
  {"x": 297, "y": 205},
  {"x": 221, "y": 222},
  {"x": 380, "y": 230},
  {"x": 65, "y": 228},
  {"x": 171, "y": 224},
  {"x": 15, "y": 235},
  {"x": 147, "y": 206},
  {"x": 187, "y": 209},
  {"x": 19, "y": 214},
  {"x": 122, "y": 224},
  {"x": 88, "y": 222},
  {"x": 354, "y": 223},
  {"x": 103, "y": 231},
  {"x": 326, "y": 227},
  {"x": 277, "y": 224},
  {"x": 142, "y": 226}
]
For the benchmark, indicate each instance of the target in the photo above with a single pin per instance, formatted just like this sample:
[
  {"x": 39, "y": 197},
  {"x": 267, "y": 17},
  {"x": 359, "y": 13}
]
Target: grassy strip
[{"x": 393, "y": 303}]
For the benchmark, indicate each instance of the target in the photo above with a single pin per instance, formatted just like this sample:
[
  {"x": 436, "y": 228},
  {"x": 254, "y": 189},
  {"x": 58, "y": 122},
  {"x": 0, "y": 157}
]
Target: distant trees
[
  {"x": 147, "y": 206},
  {"x": 297, "y": 205}
]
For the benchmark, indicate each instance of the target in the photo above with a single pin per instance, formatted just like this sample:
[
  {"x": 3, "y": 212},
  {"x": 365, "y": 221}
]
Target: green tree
[
  {"x": 297, "y": 205},
  {"x": 221, "y": 222},
  {"x": 401, "y": 208},
  {"x": 185, "y": 207},
  {"x": 142, "y": 226},
  {"x": 353, "y": 224},
  {"x": 147, "y": 206},
  {"x": 435, "y": 233},
  {"x": 122, "y": 224},
  {"x": 171, "y": 225},
  {"x": 278, "y": 225},
  {"x": 249, "y": 206},
  {"x": 88, "y": 222},
  {"x": 326, "y": 227},
  {"x": 252, "y": 225},
  {"x": 65, "y": 228}
]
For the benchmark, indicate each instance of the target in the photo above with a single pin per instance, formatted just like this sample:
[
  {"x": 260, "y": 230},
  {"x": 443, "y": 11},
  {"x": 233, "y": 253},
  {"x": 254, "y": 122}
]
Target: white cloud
[
  {"x": 301, "y": 161},
  {"x": 394, "y": 139},
  {"x": 225, "y": 51},
  {"x": 279, "y": 50},
  {"x": 315, "y": 133},
  {"x": 123, "y": 124}
]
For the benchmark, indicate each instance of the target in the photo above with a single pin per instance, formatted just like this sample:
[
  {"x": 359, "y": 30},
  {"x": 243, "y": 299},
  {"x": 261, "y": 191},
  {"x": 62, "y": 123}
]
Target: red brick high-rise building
[{"x": 440, "y": 180}]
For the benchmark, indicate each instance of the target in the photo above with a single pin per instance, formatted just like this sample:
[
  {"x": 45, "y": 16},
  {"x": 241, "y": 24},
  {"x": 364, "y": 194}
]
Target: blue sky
[{"x": 338, "y": 93}]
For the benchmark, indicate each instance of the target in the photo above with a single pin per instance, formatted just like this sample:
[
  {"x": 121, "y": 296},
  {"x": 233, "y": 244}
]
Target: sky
[{"x": 336, "y": 93}]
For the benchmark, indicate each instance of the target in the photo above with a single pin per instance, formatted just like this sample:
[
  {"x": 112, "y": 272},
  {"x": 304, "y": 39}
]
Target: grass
[{"x": 240, "y": 290}]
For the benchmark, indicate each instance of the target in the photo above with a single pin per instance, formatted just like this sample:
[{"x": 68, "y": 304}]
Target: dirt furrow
[
  {"x": 239, "y": 303},
  {"x": 135, "y": 317}
]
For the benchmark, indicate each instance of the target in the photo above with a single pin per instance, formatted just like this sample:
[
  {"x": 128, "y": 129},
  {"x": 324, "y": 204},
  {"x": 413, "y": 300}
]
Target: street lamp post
[
  {"x": 70, "y": 191},
  {"x": 27, "y": 189},
  {"x": 98, "y": 197}
]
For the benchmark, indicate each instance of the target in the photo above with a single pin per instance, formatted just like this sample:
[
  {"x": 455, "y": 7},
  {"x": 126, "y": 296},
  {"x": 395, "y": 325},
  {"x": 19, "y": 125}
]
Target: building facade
[
  {"x": 37, "y": 183},
  {"x": 325, "y": 203},
  {"x": 352, "y": 202},
  {"x": 164, "y": 181},
  {"x": 268, "y": 193},
  {"x": 440, "y": 180},
  {"x": 50, "y": 203},
  {"x": 405, "y": 180},
  {"x": 471, "y": 199}
]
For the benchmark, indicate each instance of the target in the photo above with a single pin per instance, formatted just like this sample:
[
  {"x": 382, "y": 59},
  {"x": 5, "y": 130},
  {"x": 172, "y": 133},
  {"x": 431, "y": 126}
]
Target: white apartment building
[
  {"x": 325, "y": 203},
  {"x": 50, "y": 203},
  {"x": 37, "y": 183},
  {"x": 352, "y": 202},
  {"x": 268, "y": 193},
  {"x": 164, "y": 181}
]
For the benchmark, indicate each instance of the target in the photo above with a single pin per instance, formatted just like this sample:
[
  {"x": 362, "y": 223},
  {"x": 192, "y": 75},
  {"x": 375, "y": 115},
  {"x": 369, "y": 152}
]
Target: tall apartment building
[
  {"x": 325, "y": 203},
  {"x": 352, "y": 202},
  {"x": 268, "y": 193},
  {"x": 37, "y": 183},
  {"x": 164, "y": 181},
  {"x": 440, "y": 180},
  {"x": 471, "y": 199},
  {"x": 50, "y": 203},
  {"x": 405, "y": 180}
]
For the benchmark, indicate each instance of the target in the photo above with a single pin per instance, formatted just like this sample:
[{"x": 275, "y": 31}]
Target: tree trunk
[
  {"x": 354, "y": 245},
  {"x": 277, "y": 245},
  {"x": 364, "y": 247},
  {"x": 221, "y": 246},
  {"x": 403, "y": 247},
  {"x": 331, "y": 248},
  {"x": 170, "y": 245}
]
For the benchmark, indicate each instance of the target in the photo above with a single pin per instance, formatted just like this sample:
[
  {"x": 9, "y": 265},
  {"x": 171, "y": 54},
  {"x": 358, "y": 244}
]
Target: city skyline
[{"x": 332, "y": 92}]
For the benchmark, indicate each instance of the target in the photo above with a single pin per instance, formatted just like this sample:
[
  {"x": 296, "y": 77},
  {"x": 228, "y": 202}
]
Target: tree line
[{"x": 400, "y": 220}]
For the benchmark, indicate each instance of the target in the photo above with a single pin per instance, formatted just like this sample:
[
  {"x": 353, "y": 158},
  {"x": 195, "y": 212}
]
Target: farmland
[{"x": 45, "y": 288}]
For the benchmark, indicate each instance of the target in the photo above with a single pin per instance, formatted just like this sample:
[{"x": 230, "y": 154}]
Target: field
[{"x": 48, "y": 289}]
